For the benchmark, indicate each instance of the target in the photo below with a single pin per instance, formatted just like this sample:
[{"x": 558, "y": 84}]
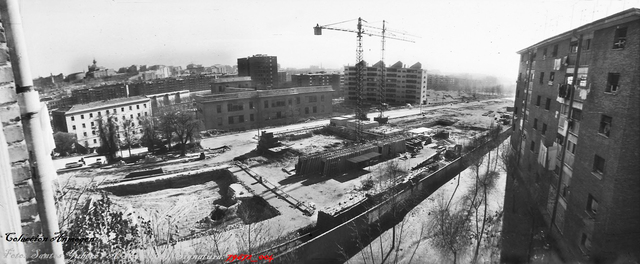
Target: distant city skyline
[{"x": 459, "y": 36}]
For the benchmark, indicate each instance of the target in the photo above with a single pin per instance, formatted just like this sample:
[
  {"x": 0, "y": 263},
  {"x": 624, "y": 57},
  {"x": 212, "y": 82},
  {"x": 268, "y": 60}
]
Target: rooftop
[
  {"x": 618, "y": 18},
  {"x": 105, "y": 104},
  {"x": 264, "y": 93}
]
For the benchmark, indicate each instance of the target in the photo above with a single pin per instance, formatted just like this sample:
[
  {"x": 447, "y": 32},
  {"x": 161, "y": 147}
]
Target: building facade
[
  {"x": 262, "y": 108},
  {"x": 402, "y": 85},
  {"x": 81, "y": 119},
  {"x": 318, "y": 79},
  {"x": 170, "y": 102},
  {"x": 577, "y": 138},
  {"x": 262, "y": 69}
]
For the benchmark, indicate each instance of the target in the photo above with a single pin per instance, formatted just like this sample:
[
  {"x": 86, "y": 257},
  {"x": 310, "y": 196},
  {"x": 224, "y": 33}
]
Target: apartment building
[
  {"x": 241, "y": 110},
  {"x": 577, "y": 138},
  {"x": 318, "y": 79},
  {"x": 262, "y": 69},
  {"x": 81, "y": 119},
  {"x": 402, "y": 85}
]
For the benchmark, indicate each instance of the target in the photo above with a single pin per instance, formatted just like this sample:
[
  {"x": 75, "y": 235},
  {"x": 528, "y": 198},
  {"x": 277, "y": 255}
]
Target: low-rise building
[
  {"x": 81, "y": 119},
  {"x": 261, "y": 108}
]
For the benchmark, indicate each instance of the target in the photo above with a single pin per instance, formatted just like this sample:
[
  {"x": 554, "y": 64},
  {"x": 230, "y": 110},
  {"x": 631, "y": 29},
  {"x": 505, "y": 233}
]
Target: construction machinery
[{"x": 360, "y": 113}]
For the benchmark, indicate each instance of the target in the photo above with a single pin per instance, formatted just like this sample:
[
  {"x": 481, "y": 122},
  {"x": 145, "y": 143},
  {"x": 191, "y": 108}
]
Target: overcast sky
[{"x": 456, "y": 36}]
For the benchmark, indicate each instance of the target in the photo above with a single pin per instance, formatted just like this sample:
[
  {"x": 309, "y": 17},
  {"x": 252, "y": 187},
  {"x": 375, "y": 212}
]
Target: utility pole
[
  {"x": 572, "y": 90},
  {"x": 29, "y": 101}
]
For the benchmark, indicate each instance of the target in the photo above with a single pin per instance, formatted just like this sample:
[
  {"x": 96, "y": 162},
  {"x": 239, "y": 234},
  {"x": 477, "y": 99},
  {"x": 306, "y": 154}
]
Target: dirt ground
[{"x": 185, "y": 206}]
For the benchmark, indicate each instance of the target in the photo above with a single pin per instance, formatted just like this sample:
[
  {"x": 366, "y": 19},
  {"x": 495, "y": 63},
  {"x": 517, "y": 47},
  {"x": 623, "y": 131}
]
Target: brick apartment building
[
  {"x": 240, "y": 110},
  {"x": 596, "y": 125},
  {"x": 262, "y": 69},
  {"x": 403, "y": 85},
  {"x": 318, "y": 79},
  {"x": 81, "y": 119}
]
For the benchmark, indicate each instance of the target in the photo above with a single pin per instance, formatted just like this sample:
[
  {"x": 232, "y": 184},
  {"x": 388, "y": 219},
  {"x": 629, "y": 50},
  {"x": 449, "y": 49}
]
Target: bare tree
[
  {"x": 186, "y": 127},
  {"x": 150, "y": 132},
  {"x": 108, "y": 133},
  {"x": 449, "y": 229},
  {"x": 128, "y": 127},
  {"x": 167, "y": 126}
]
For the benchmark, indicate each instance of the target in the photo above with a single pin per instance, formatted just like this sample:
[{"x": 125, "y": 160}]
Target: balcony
[
  {"x": 574, "y": 127},
  {"x": 569, "y": 158}
]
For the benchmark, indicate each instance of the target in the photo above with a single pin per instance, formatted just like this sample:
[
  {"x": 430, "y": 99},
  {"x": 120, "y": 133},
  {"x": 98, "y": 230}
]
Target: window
[
  {"x": 592, "y": 205},
  {"x": 306, "y": 110},
  {"x": 517, "y": 93},
  {"x": 92, "y": 124},
  {"x": 90, "y": 115},
  {"x": 613, "y": 83},
  {"x": 219, "y": 108},
  {"x": 515, "y": 110},
  {"x": 297, "y": 100},
  {"x": 266, "y": 104},
  {"x": 538, "y": 100},
  {"x": 73, "y": 118},
  {"x": 84, "y": 134},
  {"x": 313, "y": 99},
  {"x": 95, "y": 141},
  {"x": 620, "y": 38},
  {"x": 535, "y": 123},
  {"x": 139, "y": 114},
  {"x": 84, "y": 125},
  {"x": 219, "y": 121},
  {"x": 571, "y": 147},
  {"x": 107, "y": 112},
  {"x": 130, "y": 107},
  {"x": 555, "y": 51},
  {"x": 544, "y": 53},
  {"x": 145, "y": 113},
  {"x": 81, "y": 116},
  {"x": 122, "y": 109},
  {"x": 99, "y": 113},
  {"x": 547, "y": 104},
  {"x": 145, "y": 105},
  {"x": 93, "y": 132},
  {"x": 115, "y": 111},
  {"x": 573, "y": 47},
  {"x": 241, "y": 119},
  {"x": 598, "y": 164},
  {"x": 544, "y": 129},
  {"x": 137, "y": 106},
  {"x": 131, "y": 116},
  {"x": 552, "y": 77},
  {"x": 322, "y": 98},
  {"x": 251, "y": 118},
  {"x": 231, "y": 107},
  {"x": 605, "y": 125},
  {"x": 541, "y": 78},
  {"x": 533, "y": 146},
  {"x": 585, "y": 242},
  {"x": 73, "y": 127},
  {"x": 587, "y": 44},
  {"x": 250, "y": 105},
  {"x": 231, "y": 120},
  {"x": 315, "y": 109}
]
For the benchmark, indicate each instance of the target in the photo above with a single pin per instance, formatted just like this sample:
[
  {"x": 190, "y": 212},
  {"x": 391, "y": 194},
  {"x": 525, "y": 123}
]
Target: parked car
[{"x": 71, "y": 165}]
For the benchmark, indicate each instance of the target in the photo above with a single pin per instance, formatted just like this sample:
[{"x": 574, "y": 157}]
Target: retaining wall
[
  {"x": 164, "y": 182},
  {"x": 328, "y": 246}
]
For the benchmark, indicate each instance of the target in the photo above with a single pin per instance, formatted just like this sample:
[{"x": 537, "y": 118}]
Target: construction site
[
  {"x": 286, "y": 178},
  {"x": 269, "y": 190}
]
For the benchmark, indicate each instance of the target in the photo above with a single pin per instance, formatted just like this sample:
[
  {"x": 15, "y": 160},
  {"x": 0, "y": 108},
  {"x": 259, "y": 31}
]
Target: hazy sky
[{"x": 474, "y": 36}]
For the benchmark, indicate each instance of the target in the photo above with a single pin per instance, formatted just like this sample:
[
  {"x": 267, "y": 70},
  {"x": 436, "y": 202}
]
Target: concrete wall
[
  {"x": 18, "y": 158},
  {"x": 326, "y": 247}
]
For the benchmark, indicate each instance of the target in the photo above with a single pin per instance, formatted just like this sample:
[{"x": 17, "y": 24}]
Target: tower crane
[{"x": 360, "y": 113}]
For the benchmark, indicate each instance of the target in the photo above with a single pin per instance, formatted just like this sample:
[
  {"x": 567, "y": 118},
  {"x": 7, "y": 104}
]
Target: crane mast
[{"x": 360, "y": 113}]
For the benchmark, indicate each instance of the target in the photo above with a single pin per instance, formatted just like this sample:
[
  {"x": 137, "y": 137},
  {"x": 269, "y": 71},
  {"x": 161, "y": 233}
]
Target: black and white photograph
[{"x": 281, "y": 131}]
